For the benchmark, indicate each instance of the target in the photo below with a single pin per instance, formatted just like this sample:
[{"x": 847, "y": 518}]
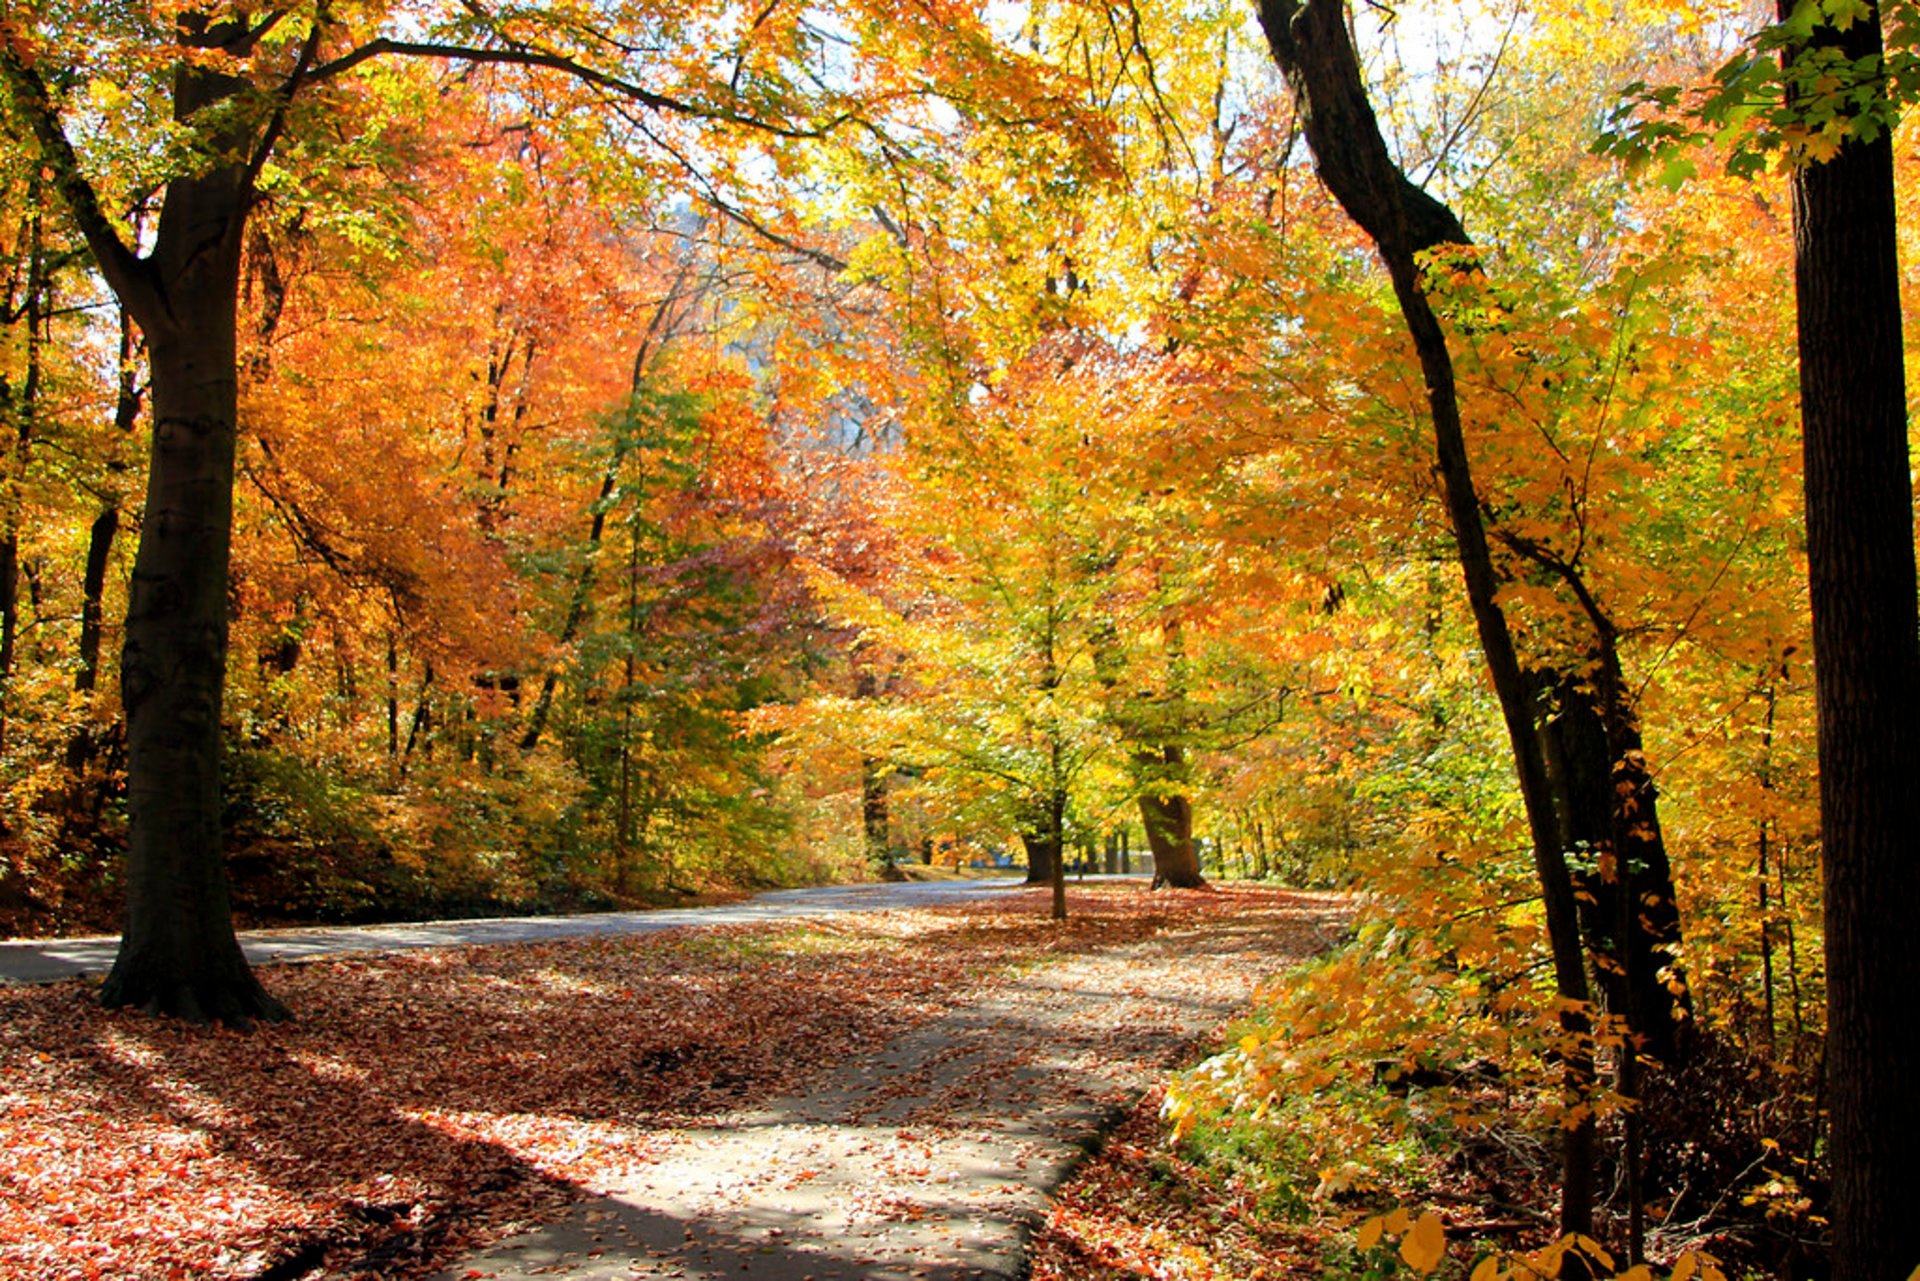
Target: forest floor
[{"x": 888, "y": 1094}]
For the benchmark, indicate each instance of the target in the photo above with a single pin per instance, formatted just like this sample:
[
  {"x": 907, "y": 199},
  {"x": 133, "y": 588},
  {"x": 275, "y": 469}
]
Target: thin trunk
[
  {"x": 623, "y": 814},
  {"x": 873, "y": 811},
  {"x": 93, "y": 587},
  {"x": 1311, "y": 44},
  {"x": 873, "y": 777},
  {"x": 1057, "y": 839},
  {"x": 577, "y": 604},
  {"x": 1793, "y": 950},
  {"x": 21, "y": 406},
  {"x": 128, "y": 400},
  {"x": 660, "y": 328},
  {"x": 393, "y": 698},
  {"x": 1761, "y": 872},
  {"x": 1860, "y": 565}
]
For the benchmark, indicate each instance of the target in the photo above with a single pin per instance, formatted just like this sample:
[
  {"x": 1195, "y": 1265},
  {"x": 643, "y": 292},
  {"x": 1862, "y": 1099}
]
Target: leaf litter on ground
[{"x": 426, "y": 1102}]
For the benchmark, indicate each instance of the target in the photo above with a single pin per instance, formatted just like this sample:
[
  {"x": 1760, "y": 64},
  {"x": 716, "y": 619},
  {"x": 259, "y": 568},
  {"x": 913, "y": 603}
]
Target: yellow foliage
[{"x": 1425, "y": 1245}]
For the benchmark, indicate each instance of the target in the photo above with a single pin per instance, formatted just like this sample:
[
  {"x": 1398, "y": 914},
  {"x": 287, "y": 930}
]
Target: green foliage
[{"x": 1796, "y": 93}]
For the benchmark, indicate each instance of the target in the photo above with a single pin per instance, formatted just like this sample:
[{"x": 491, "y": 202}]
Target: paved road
[{"x": 49, "y": 960}]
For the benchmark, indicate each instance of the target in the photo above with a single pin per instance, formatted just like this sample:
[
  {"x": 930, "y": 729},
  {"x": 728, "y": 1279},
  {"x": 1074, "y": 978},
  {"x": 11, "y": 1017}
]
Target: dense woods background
[{"x": 679, "y": 448}]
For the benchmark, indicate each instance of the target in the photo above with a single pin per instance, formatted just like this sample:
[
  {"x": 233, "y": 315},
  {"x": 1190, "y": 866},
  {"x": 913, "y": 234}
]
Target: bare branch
[{"x": 569, "y": 67}]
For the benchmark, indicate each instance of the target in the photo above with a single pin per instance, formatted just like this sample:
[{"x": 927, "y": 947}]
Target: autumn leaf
[{"x": 1426, "y": 1244}]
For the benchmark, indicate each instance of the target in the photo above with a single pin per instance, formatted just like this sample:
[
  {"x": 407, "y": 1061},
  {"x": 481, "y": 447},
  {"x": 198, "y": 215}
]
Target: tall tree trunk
[
  {"x": 1860, "y": 565},
  {"x": 20, "y": 407},
  {"x": 1311, "y": 44},
  {"x": 178, "y": 954},
  {"x": 100, "y": 538}
]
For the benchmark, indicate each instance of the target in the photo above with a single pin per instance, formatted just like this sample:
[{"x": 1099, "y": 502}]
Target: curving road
[{"x": 49, "y": 960}]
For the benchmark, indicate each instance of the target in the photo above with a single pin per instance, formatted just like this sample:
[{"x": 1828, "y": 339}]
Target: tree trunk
[
  {"x": 1055, "y": 817},
  {"x": 1860, "y": 565},
  {"x": 1311, "y": 44},
  {"x": 100, "y": 538},
  {"x": 1043, "y": 856},
  {"x": 873, "y": 811},
  {"x": 1628, "y": 915},
  {"x": 178, "y": 954},
  {"x": 20, "y": 407},
  {"x": 1169, "y": 823}
]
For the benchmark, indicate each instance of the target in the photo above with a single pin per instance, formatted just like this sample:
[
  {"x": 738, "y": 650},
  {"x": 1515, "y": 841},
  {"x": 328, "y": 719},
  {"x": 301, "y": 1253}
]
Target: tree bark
[
  {"x": 178, "y": 954},
  {"x": 1311, "y": 44},
  {"x": 873, "y": 811},
  {"x": 1168, "y": 819},
  {"x": 20, "y": 407},
  {"x": 1860, "y": 565},
  {"x": 1043, "y": 856},
  {"x": 100, "y": 538}
]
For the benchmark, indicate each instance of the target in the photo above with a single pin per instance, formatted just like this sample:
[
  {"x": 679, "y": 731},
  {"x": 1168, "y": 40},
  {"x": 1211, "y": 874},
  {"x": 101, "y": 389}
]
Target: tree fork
[{"x": 178, "y": 953}]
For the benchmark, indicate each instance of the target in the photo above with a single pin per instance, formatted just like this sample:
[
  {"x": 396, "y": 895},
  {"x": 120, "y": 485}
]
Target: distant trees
[{"x": 240, "y": 96}]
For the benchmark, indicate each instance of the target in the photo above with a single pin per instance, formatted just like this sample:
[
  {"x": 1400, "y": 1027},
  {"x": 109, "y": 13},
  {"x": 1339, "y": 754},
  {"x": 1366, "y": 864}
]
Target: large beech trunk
[
  {"x": 1169, "y": 823},
  {"x": 1860, "y": 563},
  {"x": 178, "y": 954}
]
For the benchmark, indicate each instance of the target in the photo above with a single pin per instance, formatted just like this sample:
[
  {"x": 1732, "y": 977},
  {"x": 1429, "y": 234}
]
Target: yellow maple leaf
[{"x": 1426, "y": 1245}]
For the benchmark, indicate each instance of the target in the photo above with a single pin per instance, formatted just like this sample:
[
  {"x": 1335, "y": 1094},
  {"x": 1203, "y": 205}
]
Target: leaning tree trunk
[
  {"x": 1314, "y": 50},
  {"x": 1860, "y": 564}
]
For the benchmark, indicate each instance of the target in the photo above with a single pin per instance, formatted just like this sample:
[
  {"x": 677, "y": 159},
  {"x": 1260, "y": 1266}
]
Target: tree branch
[
  {"x": 566, "y": 66},
  {"x": 127, "y": 274}
]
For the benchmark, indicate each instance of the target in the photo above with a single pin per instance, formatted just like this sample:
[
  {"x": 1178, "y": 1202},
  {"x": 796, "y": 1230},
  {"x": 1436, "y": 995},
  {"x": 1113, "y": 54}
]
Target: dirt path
[{"x": 930, "y": 1158}]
